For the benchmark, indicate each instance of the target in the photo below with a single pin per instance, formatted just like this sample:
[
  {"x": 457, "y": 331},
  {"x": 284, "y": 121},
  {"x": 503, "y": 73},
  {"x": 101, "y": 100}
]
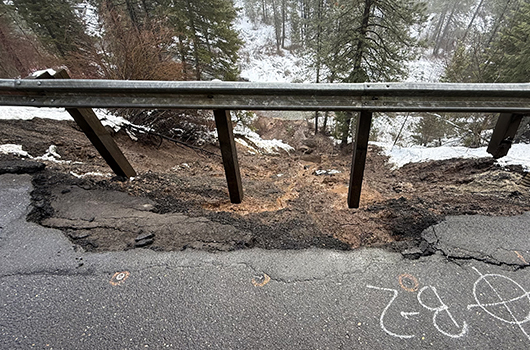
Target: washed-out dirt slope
[{"x": 179, "y": 199}]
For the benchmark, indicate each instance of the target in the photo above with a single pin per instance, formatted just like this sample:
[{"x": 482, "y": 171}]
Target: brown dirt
[{"x": 286, "y": 205}]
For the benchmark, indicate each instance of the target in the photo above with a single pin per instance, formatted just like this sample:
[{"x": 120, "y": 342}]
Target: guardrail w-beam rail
[{"x": 512, "y": 101}]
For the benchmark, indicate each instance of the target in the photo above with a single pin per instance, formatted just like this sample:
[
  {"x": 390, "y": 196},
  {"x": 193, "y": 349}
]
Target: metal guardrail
[
  {"x": 376, "y": 97},
  {"x": 511, "y": 100}
]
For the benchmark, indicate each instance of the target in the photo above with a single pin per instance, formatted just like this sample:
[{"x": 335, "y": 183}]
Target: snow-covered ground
[
  {"x": 401, "y": 148},
  {"x": 28, "y": 113},
  {"x": 108, "y": 119},
  {"x": 425, "y": 69},
  {"x": 260, "y": 62},
  {"x": 399, "y": 156},
  {"x": 272, "y": 147}
]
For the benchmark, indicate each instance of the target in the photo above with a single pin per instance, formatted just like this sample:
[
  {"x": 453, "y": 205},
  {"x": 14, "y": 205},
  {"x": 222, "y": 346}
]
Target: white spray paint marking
[
  {"x": 487, "y": 279},
  {"x": 517, "y": 302},
  {"x": 441, "y": 308},
  {"x": 407, "y": 315},
  {"x": 382, "y": 318}
]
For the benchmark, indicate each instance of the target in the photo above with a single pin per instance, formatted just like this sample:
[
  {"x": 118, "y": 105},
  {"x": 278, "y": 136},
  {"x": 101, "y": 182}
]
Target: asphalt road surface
[{"x": 471, "y": 293}]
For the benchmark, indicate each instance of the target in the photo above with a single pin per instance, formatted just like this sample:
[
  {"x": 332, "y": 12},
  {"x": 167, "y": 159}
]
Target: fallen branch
[{"x": 178, "y": 142}]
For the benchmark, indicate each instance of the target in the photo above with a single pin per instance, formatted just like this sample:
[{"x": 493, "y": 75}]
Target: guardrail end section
[{"x": 96, "y": 133}]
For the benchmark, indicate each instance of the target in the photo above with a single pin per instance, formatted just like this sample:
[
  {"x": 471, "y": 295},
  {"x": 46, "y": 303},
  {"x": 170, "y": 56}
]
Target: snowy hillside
[{"x": 261, "y": 63}]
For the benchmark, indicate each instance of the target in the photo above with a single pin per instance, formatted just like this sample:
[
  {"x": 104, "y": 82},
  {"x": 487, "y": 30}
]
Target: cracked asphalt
[{"x": 470, "y": 293}]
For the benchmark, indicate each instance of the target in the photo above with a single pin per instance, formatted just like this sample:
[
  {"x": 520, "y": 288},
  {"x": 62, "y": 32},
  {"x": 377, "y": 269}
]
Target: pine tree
[
  {"x": 367, "y": 40},
  {"x": 466, "y": 66},
  {"x": 485, "y": 54},
  {"x": 21, "y": 51},
  {"x": 55, "y": 23},
  {"x": 510, "y": 60},
  {"x": 206, "y": 37},
  {"x": 147, "y": 39},
  {"x": 431, "y": 129},
  {"x": 495, "y": 54}
]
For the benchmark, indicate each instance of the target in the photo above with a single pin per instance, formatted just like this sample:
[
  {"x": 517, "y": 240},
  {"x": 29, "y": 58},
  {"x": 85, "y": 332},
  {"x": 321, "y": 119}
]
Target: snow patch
[
  {"x": 51, "y": 154},
  {"x": 28, "y": 113},
  {"x": 14, "y": 149},
  {"x": 399, "y": 156},
  {"x": 426, "y": 69},
  {"x": 90, "y": 18},
  {"x": 326, "y": 172},
  {"x": 251, "y": 150},
  {"x": 115, "y": 122},
  {"x": 79, "y": 176},
  {"x": 272, "y": 147},
  {"x": 261, "y": 62},
  {"x": 40, "y": 72},
  {"x": 519, "y": 154}
]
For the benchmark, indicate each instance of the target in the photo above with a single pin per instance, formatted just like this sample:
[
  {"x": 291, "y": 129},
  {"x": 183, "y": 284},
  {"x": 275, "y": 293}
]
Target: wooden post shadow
[
  {"x": 225, "y": 133},
  {"x": 96, "y": 133},
  {"x": 362, "y": 135}
]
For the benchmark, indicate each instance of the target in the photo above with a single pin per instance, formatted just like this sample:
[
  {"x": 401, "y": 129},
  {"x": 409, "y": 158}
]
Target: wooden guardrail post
[
  {"x": 96, "y": 133},
  {"x": 362, "y": 136},
  {"x": 227, "y": 143},
  {"x": 503, "y": 134}
]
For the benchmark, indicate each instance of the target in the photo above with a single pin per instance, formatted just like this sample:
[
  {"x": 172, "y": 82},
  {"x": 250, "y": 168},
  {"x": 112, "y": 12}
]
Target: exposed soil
[{"x": 179, "y": 199}]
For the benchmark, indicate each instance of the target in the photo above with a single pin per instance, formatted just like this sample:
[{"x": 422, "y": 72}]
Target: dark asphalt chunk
[{"x": 20, "y": 167}]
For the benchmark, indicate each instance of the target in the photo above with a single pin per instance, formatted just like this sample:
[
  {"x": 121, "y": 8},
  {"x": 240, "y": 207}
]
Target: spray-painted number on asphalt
[{"x": 511, "y": 305}]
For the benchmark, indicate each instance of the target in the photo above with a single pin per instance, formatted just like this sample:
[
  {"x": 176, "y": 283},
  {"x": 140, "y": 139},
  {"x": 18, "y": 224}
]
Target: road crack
[{"x": 431, "y": 244}]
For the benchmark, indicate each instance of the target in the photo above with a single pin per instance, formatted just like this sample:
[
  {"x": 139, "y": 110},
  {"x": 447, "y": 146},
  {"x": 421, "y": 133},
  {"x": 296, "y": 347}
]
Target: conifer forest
[{"x": 343, "y": 41}]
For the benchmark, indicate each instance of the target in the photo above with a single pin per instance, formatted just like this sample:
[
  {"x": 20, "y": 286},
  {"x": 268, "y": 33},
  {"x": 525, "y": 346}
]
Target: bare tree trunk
[
  {"x": 284, "y": 20},
  {"x": 470, "y": 25},
  {"x": 277, "y": 25},
  {"x": 498, "y": 22},
  {"x": 316, "y": 122},
  {"x": 345, "y": 132},
  {"x": 195, "y": 42},
  {"x": 183, "y": 52},
  {"x": 264, "y": 9},
  {"x": 356, "y": 76},
  {"x": 319, "y": 53},
  {"x": 132, "y": 14},
  {"x": 147, "y": 12},
  {"x": 305, "y": 17},
  {"x": 450, "y": 19},
  {"x": 440, "y": 24},
  {"x": 325, "y": 124}
]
